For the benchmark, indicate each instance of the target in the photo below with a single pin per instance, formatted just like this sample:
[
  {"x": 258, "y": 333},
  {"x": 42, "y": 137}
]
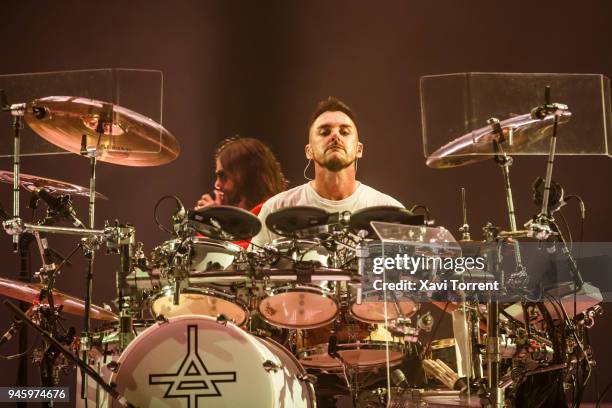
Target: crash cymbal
[
  {"x": 287, "y": 221},
  {"x": 520, "y": 132},
  {"x": 30, "y": 292},
  {"x": 360, "y": 220},
  {"x": 31, "y": 183},
  {"x": 225, "y": 222},
  {"x": 128, "y": 138}
]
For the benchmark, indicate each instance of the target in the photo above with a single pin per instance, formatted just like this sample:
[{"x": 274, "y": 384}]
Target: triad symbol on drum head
[{"x": 192, "y": 380}]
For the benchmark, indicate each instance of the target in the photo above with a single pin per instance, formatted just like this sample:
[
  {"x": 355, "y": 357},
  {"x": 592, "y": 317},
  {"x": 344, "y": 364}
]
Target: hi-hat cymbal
[
  {"x": 520, "y": 132},
  {"x": 30, "y": 292},
  {"x": 31, "y": 183},
  {"x": 225, "y": 222},
  {"x": 127, "y": 138}
]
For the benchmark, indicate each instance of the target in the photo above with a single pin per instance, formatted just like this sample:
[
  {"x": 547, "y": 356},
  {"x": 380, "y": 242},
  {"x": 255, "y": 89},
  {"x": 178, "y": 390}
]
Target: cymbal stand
[
  {"x": 516, "y": 280},
  {"x": 543, "y": 226},
  {"x": 85, "y": 340},
  {"x": 17, "y": 111}
]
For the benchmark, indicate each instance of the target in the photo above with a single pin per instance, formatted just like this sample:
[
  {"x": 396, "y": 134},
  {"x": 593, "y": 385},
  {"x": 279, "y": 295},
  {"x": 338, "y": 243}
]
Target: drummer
[
  {"x": 246, "y": 174},
  {"x": 333, "y": 148}
]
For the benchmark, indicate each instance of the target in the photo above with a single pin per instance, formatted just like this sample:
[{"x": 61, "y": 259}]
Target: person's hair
[
  {"x": 332, "y": 104},
  {"x": 256, "y": 173}
]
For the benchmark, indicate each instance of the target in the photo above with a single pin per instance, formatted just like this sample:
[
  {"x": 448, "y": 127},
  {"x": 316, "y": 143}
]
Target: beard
[{"x": 335, "y": 163}]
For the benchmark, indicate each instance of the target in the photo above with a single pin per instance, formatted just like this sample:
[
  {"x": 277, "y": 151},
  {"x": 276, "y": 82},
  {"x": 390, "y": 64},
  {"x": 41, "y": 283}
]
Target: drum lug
[
  {"x": 222, "y": 320},
  {"x": 309, "y": 378},
  {"x": 113, "y": 366},
  {"x": 269, "y": 365},
  {"x": 161, "y": 319}
]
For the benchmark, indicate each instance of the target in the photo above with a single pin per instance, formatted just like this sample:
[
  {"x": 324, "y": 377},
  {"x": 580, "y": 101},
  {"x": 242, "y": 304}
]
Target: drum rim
[
  {"x": 372, "y": 345},
  {"x": 301, "y": 287},
  {"x": 198, "y": 291},
  {"x": 364, "y": 320}
]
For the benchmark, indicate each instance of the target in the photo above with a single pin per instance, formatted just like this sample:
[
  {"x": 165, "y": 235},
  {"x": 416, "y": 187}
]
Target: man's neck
[{"x": 335, "y": 185}]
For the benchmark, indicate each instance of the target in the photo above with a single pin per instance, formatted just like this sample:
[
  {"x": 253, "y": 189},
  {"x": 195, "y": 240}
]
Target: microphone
[
  {"x": 339, "y": 218},
  {"x": 399, "y": 378},
  {"x": 541, "y": 112},
  {"x": 16, "y": 325},
  {"x": 61, "y": 206},
  {"x": 425, "y": 322}
]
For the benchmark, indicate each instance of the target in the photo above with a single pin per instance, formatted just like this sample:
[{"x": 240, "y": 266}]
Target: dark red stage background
[{"x": 257, "y": 69}]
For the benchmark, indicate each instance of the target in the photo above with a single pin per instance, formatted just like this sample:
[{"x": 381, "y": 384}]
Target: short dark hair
[
  {"x": 256, "y": 172},
  {"x": 332, "y": 104}
]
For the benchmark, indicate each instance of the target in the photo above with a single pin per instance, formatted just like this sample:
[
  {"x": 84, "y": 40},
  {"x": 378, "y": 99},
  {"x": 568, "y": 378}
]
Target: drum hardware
[
  {"x": 75, "y": 360},
  {"x": 464, "y": 230}
]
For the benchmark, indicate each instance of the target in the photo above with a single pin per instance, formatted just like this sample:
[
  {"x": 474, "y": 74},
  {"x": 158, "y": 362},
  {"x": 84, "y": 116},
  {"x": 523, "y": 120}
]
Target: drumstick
[
  {"x": 449, "y": 372},
  {"x": 441, "y": 371}
]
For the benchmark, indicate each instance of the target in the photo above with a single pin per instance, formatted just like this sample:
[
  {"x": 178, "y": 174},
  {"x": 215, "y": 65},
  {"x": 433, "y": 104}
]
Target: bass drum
[{"x": 193, "y": 361}]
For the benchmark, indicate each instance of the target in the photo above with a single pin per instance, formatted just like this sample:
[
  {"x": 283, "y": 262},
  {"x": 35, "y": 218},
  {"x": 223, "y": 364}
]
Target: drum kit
[{"x": 205, "y": 321}]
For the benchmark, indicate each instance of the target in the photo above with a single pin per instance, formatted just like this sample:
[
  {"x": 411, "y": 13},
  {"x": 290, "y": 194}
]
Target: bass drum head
[{"x": 193, "y": 361}]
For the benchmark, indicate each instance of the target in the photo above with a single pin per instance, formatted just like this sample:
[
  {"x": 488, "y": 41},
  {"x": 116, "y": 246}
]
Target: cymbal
[
  {"x": 360, "y": 220},
  {"x": 225, "y": 222},
  {"x": 520, "y": 132},
  {"x": 287, "y": 221},
  {"x": 31, "y": 183},
  {"x": 29, "y": 292},
  {"x": 128, "y": 138}
]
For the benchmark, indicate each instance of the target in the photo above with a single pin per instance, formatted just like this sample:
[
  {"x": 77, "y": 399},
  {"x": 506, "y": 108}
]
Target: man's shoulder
[
  {"x": 286, "y": 198},
  {"x": 373, "y": 197}
]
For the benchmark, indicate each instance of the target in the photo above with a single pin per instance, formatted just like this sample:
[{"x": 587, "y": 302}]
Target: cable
[
  {"x": 603, "y": 394},
  {"x": 159, "y": 224}
]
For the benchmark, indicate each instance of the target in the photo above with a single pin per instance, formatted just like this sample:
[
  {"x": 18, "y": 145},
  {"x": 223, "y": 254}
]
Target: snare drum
[
  {"x": 365, "y": 354},
  {"x": 298, "y": 305},
  {"x": 192, "y": 361}
]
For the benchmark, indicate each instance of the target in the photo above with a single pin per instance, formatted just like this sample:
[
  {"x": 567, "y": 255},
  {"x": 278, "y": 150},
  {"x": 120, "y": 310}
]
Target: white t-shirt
[{"x": 363, "y": 197}]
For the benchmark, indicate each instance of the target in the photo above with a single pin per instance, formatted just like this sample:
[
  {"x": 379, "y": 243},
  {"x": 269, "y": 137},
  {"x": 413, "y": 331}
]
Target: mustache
[{"x": 335, "y": 144}]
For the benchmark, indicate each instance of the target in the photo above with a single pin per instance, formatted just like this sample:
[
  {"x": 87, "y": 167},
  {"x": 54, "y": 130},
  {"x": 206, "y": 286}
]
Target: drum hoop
[
  {"x": 205, "y": 292},
  {"x": 217, "y": 244},
  {"x": 320, "y": 349},
  {"x": 302, "y": 287},
  {"x": 365, "y": 345}
]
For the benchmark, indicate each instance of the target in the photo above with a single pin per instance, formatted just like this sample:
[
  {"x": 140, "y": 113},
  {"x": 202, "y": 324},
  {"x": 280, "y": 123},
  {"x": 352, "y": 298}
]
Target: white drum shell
[{"x": 154, "y": 366}]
